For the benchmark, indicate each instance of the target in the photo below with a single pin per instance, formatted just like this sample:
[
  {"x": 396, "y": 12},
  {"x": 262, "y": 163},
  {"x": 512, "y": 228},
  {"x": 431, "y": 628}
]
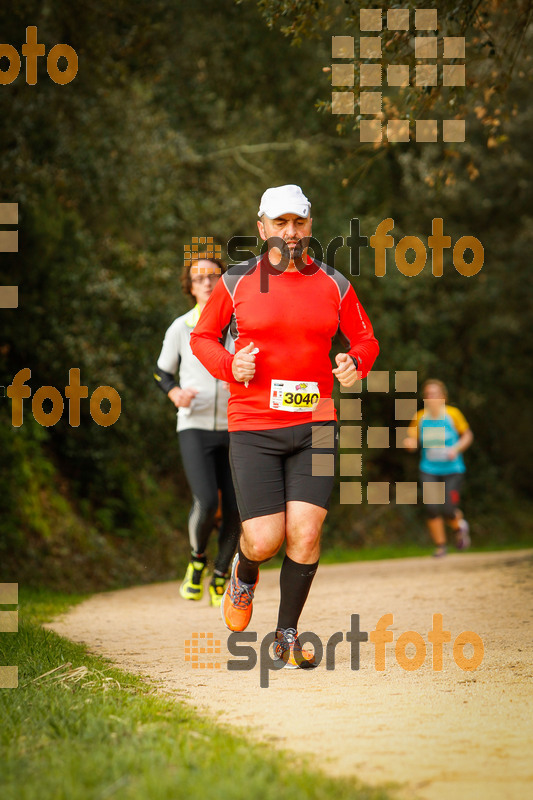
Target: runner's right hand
[
  {"x": 243, "y": 366},
  {"x": 182, "y": 398}
]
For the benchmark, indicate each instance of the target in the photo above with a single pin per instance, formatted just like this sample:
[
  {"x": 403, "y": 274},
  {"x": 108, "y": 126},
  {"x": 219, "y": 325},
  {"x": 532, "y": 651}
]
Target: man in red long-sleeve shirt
[{"x": 283, "y": 309}]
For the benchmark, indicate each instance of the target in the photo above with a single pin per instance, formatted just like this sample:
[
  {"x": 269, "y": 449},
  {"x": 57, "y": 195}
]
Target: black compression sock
[
  {"x": 217, "y": 573},
  {"x": 295, "y": 581},
  {"x": 247, "y": 570}
]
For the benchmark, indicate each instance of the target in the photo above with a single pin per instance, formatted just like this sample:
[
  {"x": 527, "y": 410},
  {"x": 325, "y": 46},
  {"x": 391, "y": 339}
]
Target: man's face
[{"x": 289, "y": 227}]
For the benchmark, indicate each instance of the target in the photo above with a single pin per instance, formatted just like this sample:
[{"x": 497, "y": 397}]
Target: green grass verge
[
  {"x": 87, "y": 731},
  {"x": 341, "y": 555},
  {"x": 41, "y": 605}
]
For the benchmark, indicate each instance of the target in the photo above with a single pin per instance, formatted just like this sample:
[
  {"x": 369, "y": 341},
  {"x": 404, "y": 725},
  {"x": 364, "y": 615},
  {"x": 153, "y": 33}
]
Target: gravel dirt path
[{"x": 440, "y": 735}]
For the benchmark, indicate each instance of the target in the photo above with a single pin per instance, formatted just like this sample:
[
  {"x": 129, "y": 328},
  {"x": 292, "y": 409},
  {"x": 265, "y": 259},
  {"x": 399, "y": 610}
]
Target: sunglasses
[{"x": 211, "y": 277}]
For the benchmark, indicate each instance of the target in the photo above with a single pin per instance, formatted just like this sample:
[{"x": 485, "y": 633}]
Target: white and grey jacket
[{"x": 209, "y": 408}]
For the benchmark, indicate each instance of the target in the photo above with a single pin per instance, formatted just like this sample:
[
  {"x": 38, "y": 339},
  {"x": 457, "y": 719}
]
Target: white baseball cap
[{"x": 288, "y": 199}]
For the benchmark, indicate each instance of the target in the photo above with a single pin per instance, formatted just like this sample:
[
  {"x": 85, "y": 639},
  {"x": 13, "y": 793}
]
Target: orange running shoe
[
  {"x": 236, "y": 606},
  {"x": 287, "y": 648}
]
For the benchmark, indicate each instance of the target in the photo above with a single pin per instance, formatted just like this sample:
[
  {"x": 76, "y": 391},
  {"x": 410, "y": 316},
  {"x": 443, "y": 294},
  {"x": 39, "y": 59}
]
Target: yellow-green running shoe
[
  {"x": 192, "y": 587},
  {"x": 217, "y": 587}
]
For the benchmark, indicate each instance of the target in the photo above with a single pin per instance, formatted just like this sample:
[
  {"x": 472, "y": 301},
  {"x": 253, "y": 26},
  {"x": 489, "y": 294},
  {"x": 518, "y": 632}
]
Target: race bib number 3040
[{"x": 294, "y": 395}]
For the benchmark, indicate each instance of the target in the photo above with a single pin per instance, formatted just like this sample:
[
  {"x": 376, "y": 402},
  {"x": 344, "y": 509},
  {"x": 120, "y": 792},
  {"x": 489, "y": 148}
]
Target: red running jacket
[{"x": 292, "y": 317}]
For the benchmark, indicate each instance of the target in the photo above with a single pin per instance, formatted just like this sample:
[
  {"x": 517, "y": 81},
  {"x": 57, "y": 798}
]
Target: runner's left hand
[{"x": 346, "y": 372}]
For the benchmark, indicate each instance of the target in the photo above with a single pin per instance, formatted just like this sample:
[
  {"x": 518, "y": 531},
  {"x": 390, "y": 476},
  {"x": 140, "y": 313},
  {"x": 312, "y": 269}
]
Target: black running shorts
[
  {"x": 273, "y": 466},
  {"x": 452, "y": 494}
]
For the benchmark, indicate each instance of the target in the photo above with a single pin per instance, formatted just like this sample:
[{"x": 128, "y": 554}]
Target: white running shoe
[{"x": 462, "y": 535}]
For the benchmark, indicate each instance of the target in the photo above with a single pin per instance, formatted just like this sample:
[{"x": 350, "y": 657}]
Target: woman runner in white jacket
[{"x": 202, "y": 403}]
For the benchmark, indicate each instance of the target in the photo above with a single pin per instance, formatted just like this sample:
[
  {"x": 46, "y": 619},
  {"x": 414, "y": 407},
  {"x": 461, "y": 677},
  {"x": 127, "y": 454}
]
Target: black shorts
[
  {"x": 452, "y": 494},
  {"x": 273, "y": 466}
]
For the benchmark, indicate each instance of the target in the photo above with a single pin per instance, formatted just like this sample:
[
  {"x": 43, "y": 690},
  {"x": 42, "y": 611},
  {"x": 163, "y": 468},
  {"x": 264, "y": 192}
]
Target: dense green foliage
[{"x": 180, "y": 116}]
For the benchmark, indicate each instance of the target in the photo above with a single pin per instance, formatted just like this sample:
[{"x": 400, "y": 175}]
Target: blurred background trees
[{"x": 180, "y": 116}]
